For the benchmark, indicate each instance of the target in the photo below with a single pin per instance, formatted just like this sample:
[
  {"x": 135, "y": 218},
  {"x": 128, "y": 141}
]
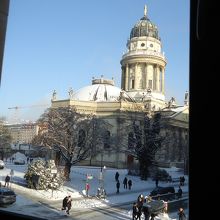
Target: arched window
[
  {"x": 107, "y": 136},
  {"x": 81, "y": 138}
]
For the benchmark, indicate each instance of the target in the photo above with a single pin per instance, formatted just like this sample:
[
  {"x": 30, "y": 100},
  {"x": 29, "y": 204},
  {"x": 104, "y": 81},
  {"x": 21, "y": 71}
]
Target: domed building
[
  {"x": 141, "y": 92},
  {"x": 143, "y": 65}
]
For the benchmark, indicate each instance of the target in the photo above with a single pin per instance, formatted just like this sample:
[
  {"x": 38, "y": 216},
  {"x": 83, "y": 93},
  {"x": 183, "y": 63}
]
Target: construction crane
[
  {"x": 21, "y": 107},
  {"x": 30, "y": 106}
]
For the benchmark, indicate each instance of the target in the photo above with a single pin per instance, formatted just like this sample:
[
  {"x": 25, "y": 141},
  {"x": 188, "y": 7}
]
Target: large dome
[
  {"x": 101, "y": 90},
  {"x": 144, "y": 27}
]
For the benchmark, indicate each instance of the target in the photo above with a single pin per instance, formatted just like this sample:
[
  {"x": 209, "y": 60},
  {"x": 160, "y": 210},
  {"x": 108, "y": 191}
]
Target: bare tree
[
  {"x": 147, "y": 150},
  {"x": 5, "y": 139},
  {"x": 70, "y": 133},
  {"x": 143, "y": 142}
]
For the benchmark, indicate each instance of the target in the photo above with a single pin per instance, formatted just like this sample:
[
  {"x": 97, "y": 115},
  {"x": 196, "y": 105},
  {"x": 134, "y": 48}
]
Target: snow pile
[{"x": 19, "y": 156}]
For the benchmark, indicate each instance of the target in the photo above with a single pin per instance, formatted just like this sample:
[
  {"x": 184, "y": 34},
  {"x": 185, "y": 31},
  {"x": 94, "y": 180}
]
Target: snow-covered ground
[{"x": 76, "y": 187}]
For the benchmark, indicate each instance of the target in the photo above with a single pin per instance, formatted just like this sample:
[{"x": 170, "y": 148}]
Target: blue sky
[{"x": 58, "y": 44}]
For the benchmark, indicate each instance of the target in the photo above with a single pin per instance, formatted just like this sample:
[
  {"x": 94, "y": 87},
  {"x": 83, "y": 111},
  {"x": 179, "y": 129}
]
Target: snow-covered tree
[
  {"x": 142, "y": 140},
  {"x": 73, "y": 135},
  {"x": 40, "y": 175}
]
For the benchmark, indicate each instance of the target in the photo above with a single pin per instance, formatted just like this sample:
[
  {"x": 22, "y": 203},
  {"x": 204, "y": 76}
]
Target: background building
[{"x": 22, "y": 133}]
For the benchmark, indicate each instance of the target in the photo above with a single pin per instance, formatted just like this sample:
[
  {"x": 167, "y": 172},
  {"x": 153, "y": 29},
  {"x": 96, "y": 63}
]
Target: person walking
[
  {"x": 152, "y": 216},
  {"x": 125, "y": 182},
  {"x": 117, "y": 186},
  {"x": 69, "y": 205},
  {"x": 64, "y": 204},
  {"x": 181, "y": 214},
  {"x": 180, "y": 192},
  {"x": 183, "y": 180},
  {"x": 7, "y": 180},
  {"x": 140, "y": 203},
  {"x": 129, "y": 184},
  {"x": 146, "y": 212},
  {"x": 134, "y": 211},
  {"x": 116, "y": 176},
  {"x": 156, "y": 182},
  {"x": 87, "y": 189}
]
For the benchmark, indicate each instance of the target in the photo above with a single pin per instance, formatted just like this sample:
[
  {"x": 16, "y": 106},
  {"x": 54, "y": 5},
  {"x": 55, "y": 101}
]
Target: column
[
  {"x": 154, "y": 77},
  {"x": 122, "y": 78},
  {"x": 158, "y": 78},
  {"x": 163, "y": 80},
  {"x": 146, "y": 78},
  {"x": 126, "y": 78},
  {"x": 136, "y": 77}
]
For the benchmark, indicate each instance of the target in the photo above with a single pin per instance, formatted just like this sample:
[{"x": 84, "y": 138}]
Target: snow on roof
[
  {"x": 100, "y": 92},
  {"x": 19, "y": 155}
]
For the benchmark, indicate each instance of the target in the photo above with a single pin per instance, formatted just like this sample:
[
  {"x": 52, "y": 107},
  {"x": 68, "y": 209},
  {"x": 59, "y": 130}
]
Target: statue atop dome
[{"x": 145, "y": 10}]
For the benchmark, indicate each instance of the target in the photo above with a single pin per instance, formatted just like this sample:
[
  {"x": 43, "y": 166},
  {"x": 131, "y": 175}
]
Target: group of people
[
  {"x": 67, "y": 204},
  {"x": 127, "y": 183},
  {"x": 29, "y": 159},
  {"x": 139, "y": 208}
]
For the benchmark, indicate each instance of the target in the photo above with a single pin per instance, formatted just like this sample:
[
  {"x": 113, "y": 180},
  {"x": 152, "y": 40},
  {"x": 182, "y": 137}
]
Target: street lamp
[
  {"x": 101, "y": 189},
  {"x": 103, "y": 175}
]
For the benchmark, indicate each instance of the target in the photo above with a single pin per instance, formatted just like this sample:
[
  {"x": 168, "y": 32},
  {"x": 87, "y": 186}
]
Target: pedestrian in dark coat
[
  {"x": 125, "y": 182},
  {"x": 7, "y": 180},
  {"x": 69, "y": 205},
  {"x": 139, "y": 213},
  {"x": 146, "y": 212},
  {"x": 156, "y": 182},
  {"x": 183, "y": 180},
  {"x": 180, "y": 192},
  {"x": 118, "y": 186},
  {"x": 116, "y": 176},
  {"x": 129, "y": 184},
  {"x": 140, "y": 203},
  {"x": 134, "y": 211},
  {"x": 152, "y": 216},
  {"x": 181, "y": 214},
  {"x": 65, "y": 203}
]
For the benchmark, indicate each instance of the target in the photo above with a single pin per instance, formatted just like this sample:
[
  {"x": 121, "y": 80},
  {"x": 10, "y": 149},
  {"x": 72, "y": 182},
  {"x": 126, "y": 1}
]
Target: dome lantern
[{"x": 144, "y": 27}]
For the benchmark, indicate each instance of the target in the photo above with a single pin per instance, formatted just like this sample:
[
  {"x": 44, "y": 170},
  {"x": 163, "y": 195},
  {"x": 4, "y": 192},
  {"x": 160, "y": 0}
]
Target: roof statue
[
  {"x": 70, "y": 93},
  {"x": 172, "y": 102},
  {"x": 145, "y": 10},
  {"x": 54, "y": 96},
  {"x": 186, "y": 100}
]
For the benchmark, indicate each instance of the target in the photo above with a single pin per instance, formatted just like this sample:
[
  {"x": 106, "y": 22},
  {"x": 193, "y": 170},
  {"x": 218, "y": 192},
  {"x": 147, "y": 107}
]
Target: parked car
[
  {"x": 165, "y": 193},
  {"x": 7, "y": 196},
  {"x": 2, "y": 164},
  {"x": 19, "y": 161}
]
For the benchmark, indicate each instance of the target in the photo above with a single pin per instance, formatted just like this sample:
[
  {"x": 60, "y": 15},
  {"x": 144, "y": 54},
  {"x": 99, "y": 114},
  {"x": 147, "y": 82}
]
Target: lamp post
[
  {"x": 101, "y": 160},
  {"x": 101, "y": 189},
  {"x": 103, "y": 175}
]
